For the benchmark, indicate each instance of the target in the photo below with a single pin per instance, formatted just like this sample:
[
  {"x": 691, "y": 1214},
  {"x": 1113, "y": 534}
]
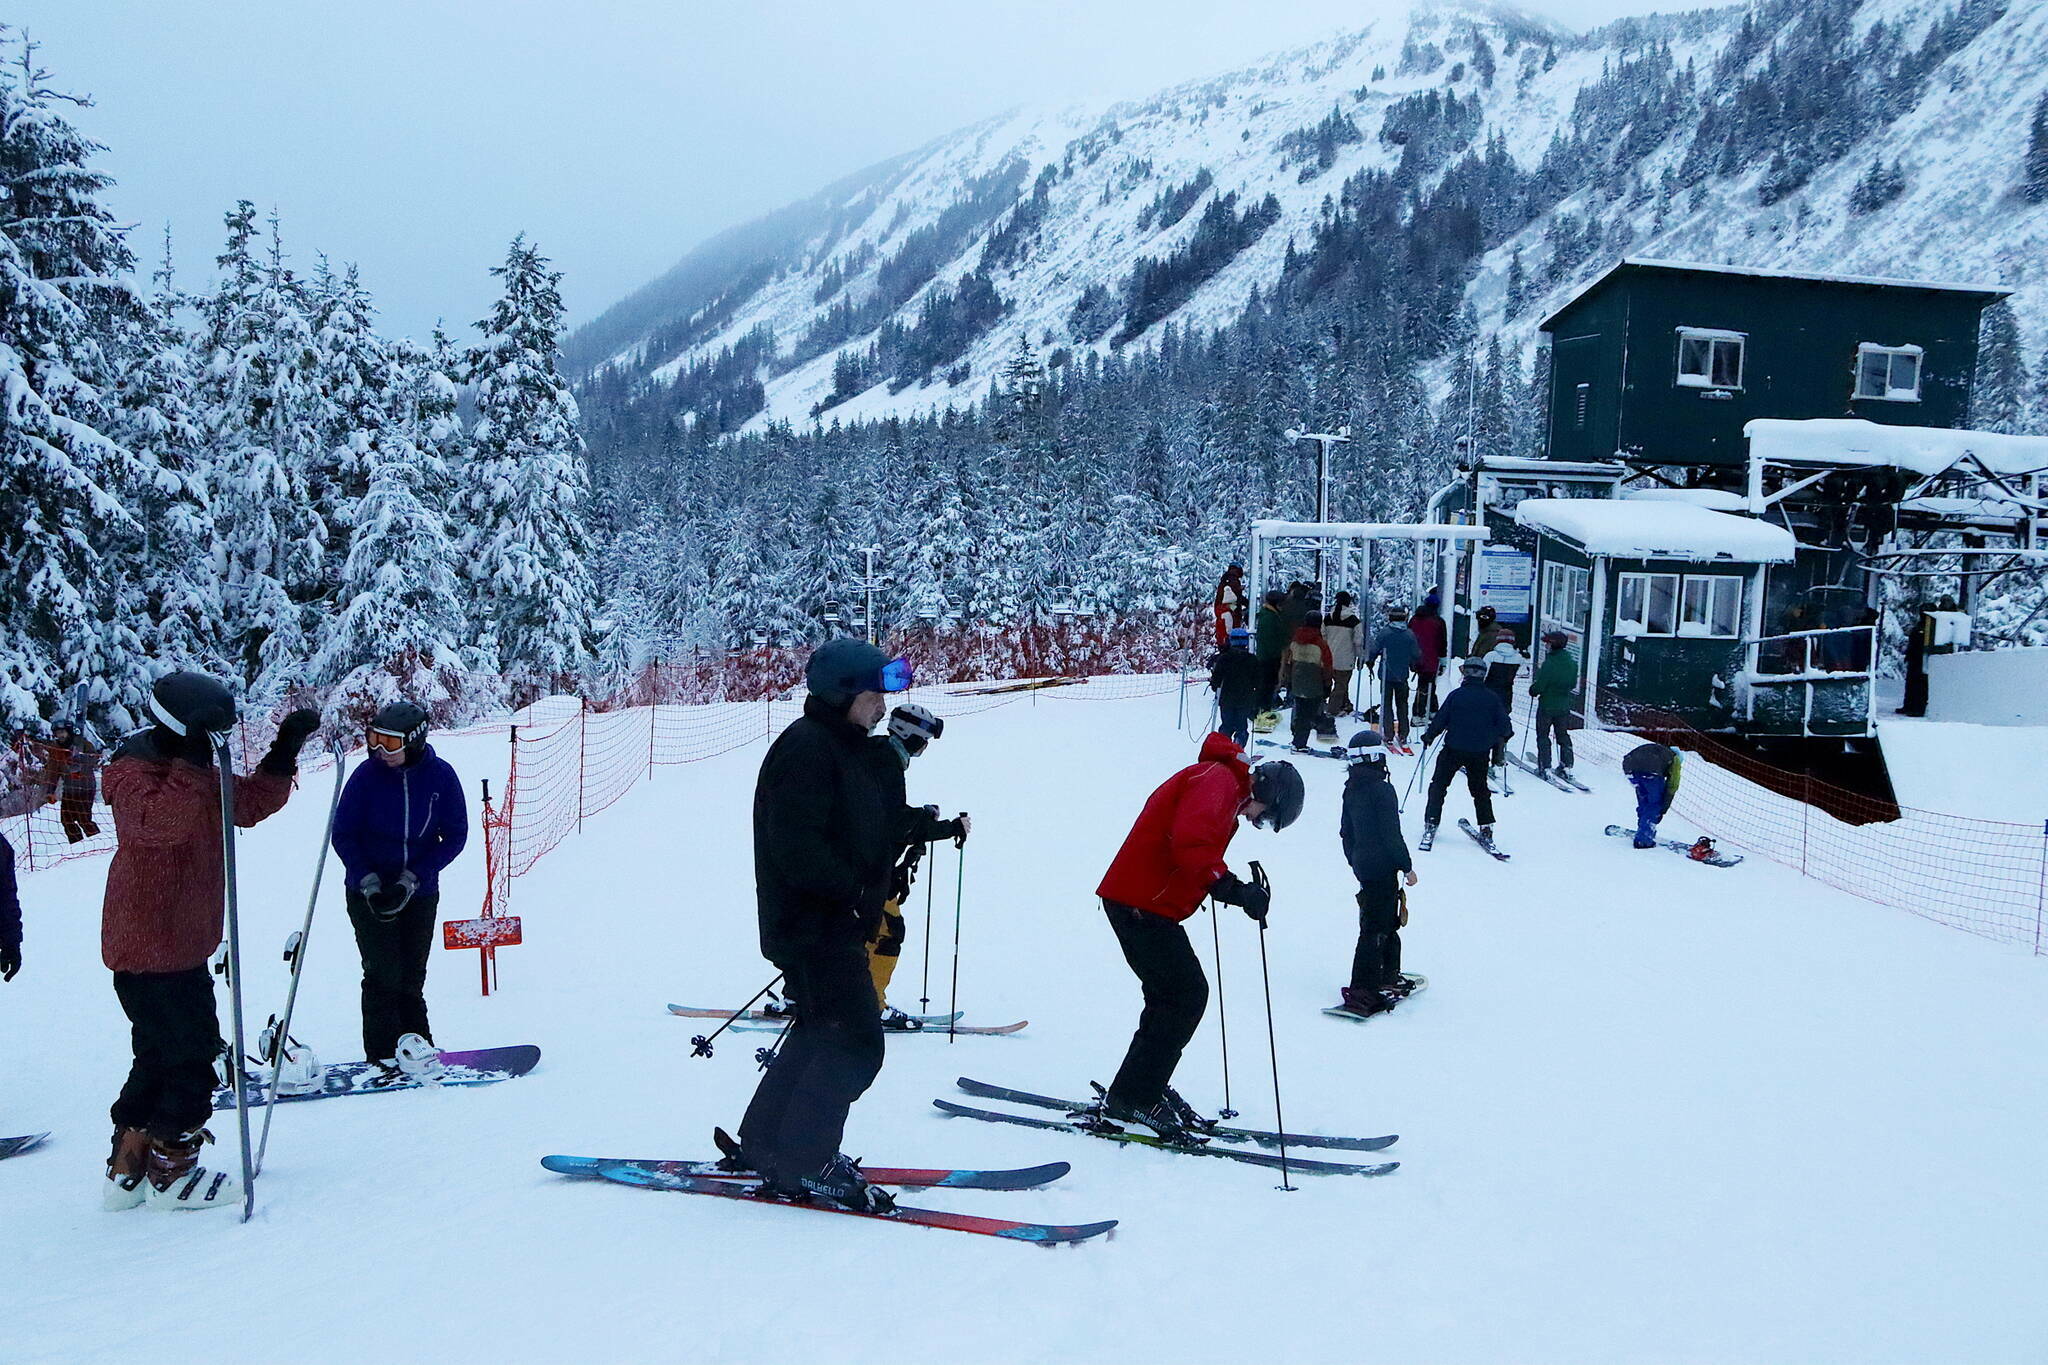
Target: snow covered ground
[
  {"x": 1994, "y": 772},
  {"x": 1649, "y": 1111}
]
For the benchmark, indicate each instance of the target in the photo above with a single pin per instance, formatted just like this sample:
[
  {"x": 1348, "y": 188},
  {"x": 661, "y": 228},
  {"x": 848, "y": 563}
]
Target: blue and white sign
[{"x": 1505, "y": 579}]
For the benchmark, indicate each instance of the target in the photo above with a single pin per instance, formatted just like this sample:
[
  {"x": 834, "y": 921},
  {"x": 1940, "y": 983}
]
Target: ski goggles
[
  {"x": 385, "y": 740},
  {"x": 895, "y": 676}
]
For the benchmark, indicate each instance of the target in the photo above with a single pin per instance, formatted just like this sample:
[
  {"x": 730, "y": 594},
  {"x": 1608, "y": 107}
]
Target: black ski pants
[
  {"x": 1307, "y": 711},
  {"x": 176, "y": 1037},
  {"x": 1448, "y": 764},
  {"x": 1376, "y": 962},
  {"x": 1269, "y": 683},
  {"x": 1559, "y": 725},
  {"x": 1394, "y": 707},
  {"x": 832, "y": 1054},
  {"x": 1235, "y": 723},
  {"x": 1176, "y": 997},
  {"x": 395, "y": 953}
]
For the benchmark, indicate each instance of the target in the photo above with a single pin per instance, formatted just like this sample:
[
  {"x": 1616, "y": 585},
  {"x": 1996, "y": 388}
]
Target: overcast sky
[{"x": 417, "y": 136}]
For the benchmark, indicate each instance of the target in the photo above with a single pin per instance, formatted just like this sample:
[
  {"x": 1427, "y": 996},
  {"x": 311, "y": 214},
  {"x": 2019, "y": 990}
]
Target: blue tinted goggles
[{"x": 896, "y": 676}]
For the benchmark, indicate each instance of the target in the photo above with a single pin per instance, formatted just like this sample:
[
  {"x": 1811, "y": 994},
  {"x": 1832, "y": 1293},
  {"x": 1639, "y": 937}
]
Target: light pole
[
  {"x": 1324, "y": 440},
  {"x": 867, "y": 584}
]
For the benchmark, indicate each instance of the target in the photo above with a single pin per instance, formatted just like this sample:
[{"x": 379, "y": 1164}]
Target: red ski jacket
[
  {"x": 163, "y": 907},
  {"x": 1175, "y": 850}
]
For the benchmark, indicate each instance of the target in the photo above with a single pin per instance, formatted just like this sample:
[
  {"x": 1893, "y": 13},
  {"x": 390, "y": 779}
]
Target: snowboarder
[
  {"x": 400, "y": 822},
  {"x": 1171, "y": 860},
  {"x": 1397, "y": 653},
  {"x": 162, "y": 919},
  {"x": 1432, "y": 642},
  {"x": 1269, "y": 643},
  {"x": 1340, "y": 629},
  {"x": 826, "y": 836},
  {"x": 10, "y": 914},
  {"x": 1652, "y": 769},
  {"x": 1234, "y": 678},
  {"x": 71, "y": 768},
  {"x": 1308, "y": 676},
  {"x": 911, "y": 731},
  {"x": 1471, "y": 720},
  {"x": 1555, "y": 683},
  {"x": 1378, "y": 853}
]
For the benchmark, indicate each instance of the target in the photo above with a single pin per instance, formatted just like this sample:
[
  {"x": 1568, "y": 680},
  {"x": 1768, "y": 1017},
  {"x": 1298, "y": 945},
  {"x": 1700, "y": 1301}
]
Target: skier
[
  {"x": 911, "y": 731},
  {"x": 1308, "y": 677},
  {"x": 1269, "y": 643},
  {"x": 1503, "y": 661},
  {"x": 1340, "y": 629},
  {"x": 1431, "y": 644},
  {"x": 10, "y": 914},
  {"x": 162, "y": 919},
  {"x": 1471, "y": 720},
  {"x": 1489, "y": 632},
  {"x": 826, "y": 835},
  {"x": 1652, "y": 770},
  {"x": 1234, "y": 678},
  {"x": 1378, "y": 853},
  {"x": 1230, "y": 604},
  {"x": 1397, "y": 653},
  {"x": 1555, "y": 683},
  {"x": 71, "y": 768},
  {"x": 1171, "y": 859},
  {"x": 399, "y": 823}
]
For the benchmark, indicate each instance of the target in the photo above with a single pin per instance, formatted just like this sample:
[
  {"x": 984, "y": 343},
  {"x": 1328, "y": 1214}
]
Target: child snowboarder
[
  {"x": 1378, "y": 853},
  {"x": 1652, "y": 770},
  {"x": 1234, "y": 678}
]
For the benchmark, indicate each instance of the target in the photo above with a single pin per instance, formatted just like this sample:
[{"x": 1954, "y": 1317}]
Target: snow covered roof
[
  {"x": 1715, "y": 499},
  {"x": 1922, "y": 450},
  {"x": 1370, "y": 530},
  {"x": 1988, "y": 292},
  {"x": 1637, "y": 529}
]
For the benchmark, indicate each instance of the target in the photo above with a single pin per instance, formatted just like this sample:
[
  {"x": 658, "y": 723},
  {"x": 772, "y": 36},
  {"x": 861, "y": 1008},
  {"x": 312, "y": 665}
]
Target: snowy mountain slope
[
  {"x": 1079, "y": 181},
  {"x": 1627, "y": 1133}
]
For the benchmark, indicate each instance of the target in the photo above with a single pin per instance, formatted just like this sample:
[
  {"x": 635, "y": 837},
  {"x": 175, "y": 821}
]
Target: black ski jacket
[
  {"x": 1234, "y": 673},
  {"x": 1371, "y": 825},
  {"x": 1471, "y": 719},
  {"x": 915, "y": 826},
  {"x": 828, "y": 818}
]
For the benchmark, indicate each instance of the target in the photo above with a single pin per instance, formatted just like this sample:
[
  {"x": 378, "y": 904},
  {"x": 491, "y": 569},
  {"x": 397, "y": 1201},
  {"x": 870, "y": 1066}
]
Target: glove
[
  {"x": 292, "y": 732},
  {"x": 1256, "y": 900},
  {"x": 386, "y": 902},
  {"x": 10, "y": 961},
  {"x": 1232, "y": 890},
  {"x": 956, "y": 829}
]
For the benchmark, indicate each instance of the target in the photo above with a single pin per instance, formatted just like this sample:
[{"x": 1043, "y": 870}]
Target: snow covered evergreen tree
[
  {"x": 523, "y": 487},
  {"x": 1998, "y": 395}
]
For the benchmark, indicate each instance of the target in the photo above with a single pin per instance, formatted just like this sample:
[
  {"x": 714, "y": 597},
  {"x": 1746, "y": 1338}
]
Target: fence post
[
  {"x": 2041, "y": 890},
  {"x": 650, "y": 737},
  {"x": 582, "y": 757},
  {"x": 1805, "y": 816}
]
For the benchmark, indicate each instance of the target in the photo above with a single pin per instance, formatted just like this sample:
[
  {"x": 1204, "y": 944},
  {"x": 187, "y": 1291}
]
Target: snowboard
[
  {"x": 15, "y": 1146},
  {"x": 486, "y": 1066},
  {"x": 1679, "y": 846},
  {"x": 1417, "y": 984},
  {"x": 910, "y": 1177}
]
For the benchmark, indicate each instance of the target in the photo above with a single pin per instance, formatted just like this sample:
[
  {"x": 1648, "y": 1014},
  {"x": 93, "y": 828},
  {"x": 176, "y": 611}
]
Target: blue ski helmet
[{"x": 841, "y": 669}]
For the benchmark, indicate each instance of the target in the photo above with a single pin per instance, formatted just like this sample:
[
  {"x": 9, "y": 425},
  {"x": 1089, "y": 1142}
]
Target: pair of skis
[
  {"x": 944, "y": 1025},
  {"x": 1479, "y": 837},
  {"x": 1562, "y": 781},
  {"x": 15, "y": 1146}
]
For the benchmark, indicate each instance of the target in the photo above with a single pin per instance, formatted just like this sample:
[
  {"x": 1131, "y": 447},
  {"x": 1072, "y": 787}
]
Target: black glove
[
  {"x": 292, "y": 732},
  {"x": 386, "y": 901},
  {"x": 10, "y": 961},
  {"x": 955, "y": 829},
  {"x": 1231, "y": 890},
  {"x": 1256, "y": 901}
]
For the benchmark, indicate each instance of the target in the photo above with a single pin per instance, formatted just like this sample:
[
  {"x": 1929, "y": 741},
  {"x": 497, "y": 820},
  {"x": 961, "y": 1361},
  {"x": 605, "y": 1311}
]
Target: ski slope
[{"x": 1650, "y": 1111}]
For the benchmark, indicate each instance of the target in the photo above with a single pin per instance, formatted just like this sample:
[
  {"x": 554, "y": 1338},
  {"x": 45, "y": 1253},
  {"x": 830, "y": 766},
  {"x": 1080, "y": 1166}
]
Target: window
[
  {"x": 1700, "y": 606},
  {"x": 1709, "y": 359},
  {"x": 1710, "y": 606},
  {"x": 1567, "y": 596},
  {"x": 1888, "y": 374}
]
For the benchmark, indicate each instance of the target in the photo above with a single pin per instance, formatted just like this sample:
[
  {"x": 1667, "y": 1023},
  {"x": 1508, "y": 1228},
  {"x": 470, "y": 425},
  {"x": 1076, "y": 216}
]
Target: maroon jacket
[{"x": 163, "y": 905}]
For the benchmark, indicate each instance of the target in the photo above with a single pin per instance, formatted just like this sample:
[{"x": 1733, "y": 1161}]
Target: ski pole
[
  {"x": 700, "y": 1046},
  {"x": 959, "y": 881},
  {"x": 1222, "y": 1019},
  {"x": 924, "y": 999},
  {"x": 232, "y": 908},
  {"x": 1272, "y": 1046},
  {"x": 1413, "y": 778},
  {"x": 295, "y": 954}
]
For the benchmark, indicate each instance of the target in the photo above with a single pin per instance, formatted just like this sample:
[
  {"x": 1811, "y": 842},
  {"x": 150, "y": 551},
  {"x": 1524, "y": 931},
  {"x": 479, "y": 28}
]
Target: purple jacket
[{"x": 407, "y": 819}]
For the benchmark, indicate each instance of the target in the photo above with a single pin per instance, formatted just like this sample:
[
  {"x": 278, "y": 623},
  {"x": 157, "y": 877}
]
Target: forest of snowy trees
[{"x": 247, "y": 478}]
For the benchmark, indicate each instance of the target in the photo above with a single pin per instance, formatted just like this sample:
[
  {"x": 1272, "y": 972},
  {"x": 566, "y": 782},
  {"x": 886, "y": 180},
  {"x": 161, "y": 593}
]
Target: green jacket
[
  {"x": 1269, "y": 634},
  {"x": 1555, "y": 682}
]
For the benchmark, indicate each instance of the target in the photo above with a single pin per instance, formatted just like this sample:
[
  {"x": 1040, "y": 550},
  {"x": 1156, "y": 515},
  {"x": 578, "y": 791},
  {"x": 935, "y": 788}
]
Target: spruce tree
[
  {"x": 2034, "y": 172},
  {"x": 524, "y": 487},
  {"x": 1999, "y": 392}
]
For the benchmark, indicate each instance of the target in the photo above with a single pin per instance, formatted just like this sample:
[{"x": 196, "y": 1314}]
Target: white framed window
[
  {"x": 1710, "y": 358},
  {"x": 1567, "y": 596},
  {"x": 1698, "y": 606},
  {"x": 1710, "y": 606},
  {"x": 1888, "y": 374}
]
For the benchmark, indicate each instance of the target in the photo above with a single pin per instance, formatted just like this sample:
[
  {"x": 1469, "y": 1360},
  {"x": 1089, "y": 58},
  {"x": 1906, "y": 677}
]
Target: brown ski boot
[
  {"x": 127, "y": 1171},
  {"x": 178, "y": 1182}
]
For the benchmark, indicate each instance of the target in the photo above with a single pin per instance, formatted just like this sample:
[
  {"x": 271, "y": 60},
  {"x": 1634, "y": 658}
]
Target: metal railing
[{"x": 1835, "y": 659}]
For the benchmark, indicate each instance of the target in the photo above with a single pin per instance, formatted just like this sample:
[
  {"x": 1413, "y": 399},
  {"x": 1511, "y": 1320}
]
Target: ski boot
[
  {"x": 731, "y": 1156},
  {"x": 842, "y": 1183},
  {"x": 1191, "y": 1119},
  {"x": 899, "y": 1022},
  {"x": 776, "y": 1008},
  {"x": 127, "y": 1171},
  {"x": 1160, "y": 1119},
  {"x": 419, "y": 1060},
  {"x": 1366, "y": 1004},
  {"x": 178, "y": 1183},
  {"x": 1428, "y": 839}
]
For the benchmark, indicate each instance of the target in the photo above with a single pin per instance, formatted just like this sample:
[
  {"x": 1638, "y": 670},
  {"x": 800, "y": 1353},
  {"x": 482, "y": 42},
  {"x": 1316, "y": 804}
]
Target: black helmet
[
  {"x": 1366, "y": 746},
  {"x": 188, "y": 703},
  {"x": 841, "y": 669},
  {"x": 914, "y": 728},
  {"x": 406, "y": 720},
  {"x": 1277, "y": 787}
]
